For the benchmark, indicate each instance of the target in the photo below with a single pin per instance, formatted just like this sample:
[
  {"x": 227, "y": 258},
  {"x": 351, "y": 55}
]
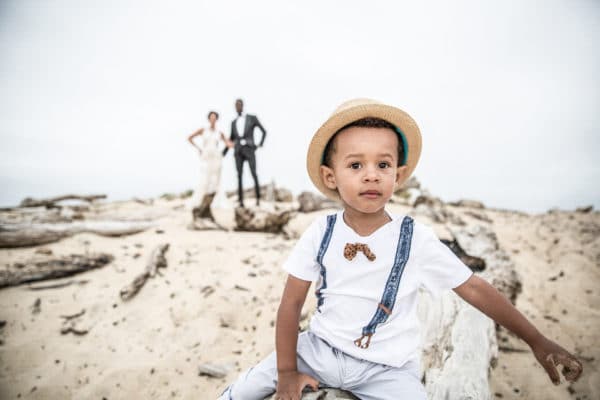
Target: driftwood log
[
  {"x": 436, "y": 210},
  {"x": 22, "y": 235},
  {"x": 71, "y": 324},
  {"x": 411, "y": 183},
  {"x": 212, "y": 370},
  {"x": 157, "y": 260},
  {"x": 459, "y": 342},
  {"x": 468, "y": 204},
  {"x": 261, "y": 220},
  {"x": 51, "y": 268},
  {"x": 146, "y": 202},
  {"x": 475, "y": 263},
  {"x": 312, "y": 202},
  {"x": 38, "y": 215},
  {"x": 51, "y": 202},
  {"x": 267, "y": 192},
  {"x": 57, "y": 285},
  {"x": 202, "y": 216},
  {"x": 278, "y": 194}
]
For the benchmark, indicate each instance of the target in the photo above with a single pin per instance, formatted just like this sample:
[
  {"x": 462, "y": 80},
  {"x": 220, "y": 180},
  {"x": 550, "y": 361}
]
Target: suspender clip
[{"x": 358, "y": 342}]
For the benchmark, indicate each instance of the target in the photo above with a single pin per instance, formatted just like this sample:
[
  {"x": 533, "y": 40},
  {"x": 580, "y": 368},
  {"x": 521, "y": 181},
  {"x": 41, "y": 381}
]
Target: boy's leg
[
  {"x": 256, "y": 383},
  {"x": 315, "y": 358},
  {"x": 370, "y": 381}
]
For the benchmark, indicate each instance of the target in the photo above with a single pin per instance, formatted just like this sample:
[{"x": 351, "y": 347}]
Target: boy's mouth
[{"x": 370, "y": 194}]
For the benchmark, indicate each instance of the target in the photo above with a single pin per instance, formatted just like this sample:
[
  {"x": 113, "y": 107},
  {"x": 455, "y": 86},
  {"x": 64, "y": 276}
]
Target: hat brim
[{"x": 393, "y": 115}]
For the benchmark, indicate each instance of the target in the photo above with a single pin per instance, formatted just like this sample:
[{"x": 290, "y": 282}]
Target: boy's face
[{"x": 364, "y": 168}]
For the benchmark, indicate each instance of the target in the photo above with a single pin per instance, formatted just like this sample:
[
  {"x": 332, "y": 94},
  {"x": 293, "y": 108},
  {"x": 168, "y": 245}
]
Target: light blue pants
[{"x": 332, "y": 368}]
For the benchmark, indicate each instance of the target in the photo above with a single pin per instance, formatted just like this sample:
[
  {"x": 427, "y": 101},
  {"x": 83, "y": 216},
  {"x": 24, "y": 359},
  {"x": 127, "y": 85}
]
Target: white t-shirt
[{"x": 354, "y": 288}]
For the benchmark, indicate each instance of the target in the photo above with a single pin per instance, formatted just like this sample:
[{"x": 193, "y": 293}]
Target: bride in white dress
[{"x": 210, "y": 166}]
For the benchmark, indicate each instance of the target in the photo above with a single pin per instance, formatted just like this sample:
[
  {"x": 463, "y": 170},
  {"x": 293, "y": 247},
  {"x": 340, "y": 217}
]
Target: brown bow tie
[{"x": 351, "y": 249}]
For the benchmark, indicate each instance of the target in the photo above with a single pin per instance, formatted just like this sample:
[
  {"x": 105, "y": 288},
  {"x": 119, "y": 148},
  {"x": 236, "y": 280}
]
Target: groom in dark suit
[{"x": 242, "y": 135}]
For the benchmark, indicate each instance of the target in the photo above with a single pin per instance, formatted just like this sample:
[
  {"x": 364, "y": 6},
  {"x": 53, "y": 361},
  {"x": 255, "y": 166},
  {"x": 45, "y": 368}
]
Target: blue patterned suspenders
[
  {"x": 322, "y": 249},
  {"x": 385, "y": 307},
  {"x": 388, "y": 299}
]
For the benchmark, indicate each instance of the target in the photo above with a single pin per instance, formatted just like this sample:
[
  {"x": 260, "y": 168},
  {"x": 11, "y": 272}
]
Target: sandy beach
[{"x": 216, "y": 300}]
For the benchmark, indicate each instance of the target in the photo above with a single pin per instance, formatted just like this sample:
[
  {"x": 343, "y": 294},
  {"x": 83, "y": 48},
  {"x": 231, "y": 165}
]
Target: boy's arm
[
  {"x": 492, "y": 303},
  {"x": 290, "y": 382}
]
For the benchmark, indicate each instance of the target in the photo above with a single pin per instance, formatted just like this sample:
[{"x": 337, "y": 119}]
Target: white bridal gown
[{"x": 210, "y": 165}]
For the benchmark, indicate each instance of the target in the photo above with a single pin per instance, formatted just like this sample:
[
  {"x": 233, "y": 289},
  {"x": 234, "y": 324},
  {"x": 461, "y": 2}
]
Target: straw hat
[{"x": 351, "y": 111}]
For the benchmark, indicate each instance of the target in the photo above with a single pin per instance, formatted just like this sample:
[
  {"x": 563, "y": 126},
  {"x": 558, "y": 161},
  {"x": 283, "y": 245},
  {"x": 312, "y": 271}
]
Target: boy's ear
[
  {"x": 328, "y": 177},
  {"x": 400, "y": 173}
]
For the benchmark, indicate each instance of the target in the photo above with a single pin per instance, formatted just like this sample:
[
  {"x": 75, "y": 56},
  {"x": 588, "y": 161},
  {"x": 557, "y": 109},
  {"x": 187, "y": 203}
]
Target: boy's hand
[
  {"x": 550, "y": 354},
  {"x": 290, "y": 385}
]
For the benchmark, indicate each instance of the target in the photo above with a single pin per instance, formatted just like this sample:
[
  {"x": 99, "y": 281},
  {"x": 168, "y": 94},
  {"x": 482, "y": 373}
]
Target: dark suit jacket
[{"x": 248, "y": 134}]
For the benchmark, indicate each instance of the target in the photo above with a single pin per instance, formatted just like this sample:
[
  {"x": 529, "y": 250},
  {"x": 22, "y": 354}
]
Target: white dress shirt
[{"x": 240, "y": 124}]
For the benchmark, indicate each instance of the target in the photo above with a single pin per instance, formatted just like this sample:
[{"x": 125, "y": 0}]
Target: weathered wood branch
[
  {"x": 51, "y": 202},
  {"x": 146, "y": 202},
  {"x": 51, "y": 268},
  {"x": 268, "y": 192},
  {"x": 71, "y": 324},
  {"x": 58, "y": 285},
  {"x": 157, "y": 260},
  {"x": 475, "y": 263},
  {"x": 312, "y": 202},
  {"x": 12, "y": 235},
  {"x": 23, "y": 235},
  {"x": 261, "y": 220}
]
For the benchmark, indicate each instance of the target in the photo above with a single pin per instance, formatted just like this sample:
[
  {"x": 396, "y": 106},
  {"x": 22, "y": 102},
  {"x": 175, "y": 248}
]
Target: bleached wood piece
[
  {"x": 23, "y": 235},
  {"x": 257, "y": 219},
  {"x": 51, "y": 268},
  {"x": 310, "y": 202},
  {"x": 459, "y": 342},
  {"x": 50, "y": 202},
  {"x": 157, "y": 260}
]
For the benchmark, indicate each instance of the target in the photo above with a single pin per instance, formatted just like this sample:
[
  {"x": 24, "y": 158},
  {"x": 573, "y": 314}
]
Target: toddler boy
[{"x": 369, "y": 265}]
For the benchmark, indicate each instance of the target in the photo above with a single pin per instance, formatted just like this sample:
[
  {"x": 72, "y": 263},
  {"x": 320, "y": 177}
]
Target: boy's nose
[{"x": 371, "y": 174}]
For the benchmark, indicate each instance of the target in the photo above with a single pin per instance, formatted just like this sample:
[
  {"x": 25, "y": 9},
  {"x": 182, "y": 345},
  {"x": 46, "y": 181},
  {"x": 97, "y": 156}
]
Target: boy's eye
[
  {"x": 384, "y": 164},
  {"x": 355, "y": 165}
]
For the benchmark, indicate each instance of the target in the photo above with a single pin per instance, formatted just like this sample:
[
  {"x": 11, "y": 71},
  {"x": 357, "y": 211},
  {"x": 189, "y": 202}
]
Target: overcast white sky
[{"x": 99, "y": 97}]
